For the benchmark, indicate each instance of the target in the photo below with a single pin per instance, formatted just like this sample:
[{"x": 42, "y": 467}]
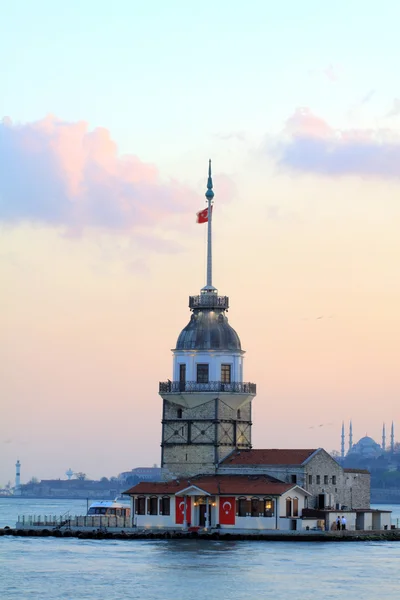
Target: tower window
[
  {"x": 179, "y": 413},
  {"x": 182, "y": 377},
  {"x": 238, "y": 413},
  {"x": 202, "y": 373},
  {"x": 225, "y": 373}
]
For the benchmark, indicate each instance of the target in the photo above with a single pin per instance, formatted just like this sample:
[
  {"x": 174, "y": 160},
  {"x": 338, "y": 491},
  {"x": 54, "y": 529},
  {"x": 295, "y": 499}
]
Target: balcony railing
[
  {"x": 192, "y": 387},
  {"x": 209, "y": 301}
]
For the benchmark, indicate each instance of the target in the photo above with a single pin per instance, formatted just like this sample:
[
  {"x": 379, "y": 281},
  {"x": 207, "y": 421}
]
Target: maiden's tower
[{"x": 207, "y": 405}]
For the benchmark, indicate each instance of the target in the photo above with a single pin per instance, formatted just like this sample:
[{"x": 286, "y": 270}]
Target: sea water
[{"x": 72, "y": 569}]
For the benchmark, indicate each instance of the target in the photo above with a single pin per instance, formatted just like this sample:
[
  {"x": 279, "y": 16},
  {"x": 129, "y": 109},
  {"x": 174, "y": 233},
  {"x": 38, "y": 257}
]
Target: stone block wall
[
  {"x": 323, "y": 475},
  {"x": 195, "y": 439},
  {"x": 357, "y": 489}
]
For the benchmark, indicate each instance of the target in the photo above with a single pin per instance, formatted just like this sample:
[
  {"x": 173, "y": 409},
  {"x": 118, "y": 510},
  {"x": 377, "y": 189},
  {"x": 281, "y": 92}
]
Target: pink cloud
[
  {"x": 62, "y": 174},
  {"x": 309, "y": 144}
]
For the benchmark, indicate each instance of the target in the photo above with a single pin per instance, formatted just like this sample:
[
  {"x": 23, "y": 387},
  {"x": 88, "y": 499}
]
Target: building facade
[{"x": 226, "y": 502}]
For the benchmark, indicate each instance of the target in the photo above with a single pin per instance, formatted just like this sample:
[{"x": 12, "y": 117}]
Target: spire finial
[
  {"x": 342, "y": 441},
  {"x": 351, "y": 435},
  {"x": 392, "y": 438},
  {"x": 209, "y": 192},
  {"x": 209, "y": 195}
]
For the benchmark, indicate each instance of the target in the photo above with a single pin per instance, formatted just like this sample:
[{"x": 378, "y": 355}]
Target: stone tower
[{"x": 206, "y": 406}]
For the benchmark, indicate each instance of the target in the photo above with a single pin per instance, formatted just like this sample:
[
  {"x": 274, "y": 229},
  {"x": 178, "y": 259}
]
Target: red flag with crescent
[
  {"x": 180, "y": 509},
  {"x": 227, "y": 510},
  {"x": 202, "y": 216}
]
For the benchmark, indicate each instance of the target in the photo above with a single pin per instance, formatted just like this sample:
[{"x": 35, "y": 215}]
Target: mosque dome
[
  {"x": 208, "y": 330},
  {"x": 367, "y": 447}
]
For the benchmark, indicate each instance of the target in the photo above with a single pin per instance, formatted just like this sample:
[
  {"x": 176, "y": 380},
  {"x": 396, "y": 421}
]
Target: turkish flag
[
  {"x": 227, "y": 510},
  {"x": 180, "y": 509},
  {"x": 202, "y": 216}
]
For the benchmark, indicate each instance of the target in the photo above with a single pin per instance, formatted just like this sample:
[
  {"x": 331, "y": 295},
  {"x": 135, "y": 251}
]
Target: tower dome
[{"x": 208, "y": 328}]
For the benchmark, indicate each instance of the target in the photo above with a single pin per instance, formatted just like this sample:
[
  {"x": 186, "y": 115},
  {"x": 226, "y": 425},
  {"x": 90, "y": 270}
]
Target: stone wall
[
  {"x": 195, "y": 439},
  {"x": 323, "y": 475},
  {"x": 357, "y": 490}
]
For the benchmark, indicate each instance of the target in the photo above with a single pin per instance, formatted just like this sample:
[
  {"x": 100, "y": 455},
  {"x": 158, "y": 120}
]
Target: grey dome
[{"x": 208, "y": 330}]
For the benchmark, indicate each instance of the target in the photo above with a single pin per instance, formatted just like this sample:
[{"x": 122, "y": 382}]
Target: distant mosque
[{"x": 367, "y": 447}]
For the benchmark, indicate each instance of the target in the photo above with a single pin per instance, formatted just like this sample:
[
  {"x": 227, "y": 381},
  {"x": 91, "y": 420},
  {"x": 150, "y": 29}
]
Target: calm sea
[{"x": 70, "y": 569}]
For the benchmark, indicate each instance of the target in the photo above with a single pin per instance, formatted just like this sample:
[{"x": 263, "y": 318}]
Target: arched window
[
  {"x": 153, "y": 505},
  {"x": 165, "y": 506},
  {"x": 141, "y": 505},
  {"x": 295, "y": 507},
  {"x": 257, "y": 508},
  {"x": 288, "y": 507},
  {"x": 179, "y": 413},
  {"x": 269, "y": 507},
  {"x": 244, "y": 507}
]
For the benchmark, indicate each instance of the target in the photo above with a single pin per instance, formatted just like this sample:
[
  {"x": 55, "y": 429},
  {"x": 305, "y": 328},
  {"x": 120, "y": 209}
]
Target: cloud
[
  {"x": 61, "y": 174},
  {"x": 310, "y": 145}
]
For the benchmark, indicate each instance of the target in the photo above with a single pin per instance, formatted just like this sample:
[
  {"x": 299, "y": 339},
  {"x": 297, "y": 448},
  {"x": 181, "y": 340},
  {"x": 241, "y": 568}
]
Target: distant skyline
[{"x": 109, "y": 116}]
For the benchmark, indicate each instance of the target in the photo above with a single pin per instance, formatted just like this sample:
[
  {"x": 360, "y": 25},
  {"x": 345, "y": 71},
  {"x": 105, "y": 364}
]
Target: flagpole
[{"x": 209, "y": 195}]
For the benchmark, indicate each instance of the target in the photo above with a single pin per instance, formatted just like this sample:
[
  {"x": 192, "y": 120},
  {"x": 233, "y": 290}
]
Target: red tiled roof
[
  {"x": 274, "y": 456},
  {"x": 365, "y": 471},
  {"x": 216, "y": 485}
]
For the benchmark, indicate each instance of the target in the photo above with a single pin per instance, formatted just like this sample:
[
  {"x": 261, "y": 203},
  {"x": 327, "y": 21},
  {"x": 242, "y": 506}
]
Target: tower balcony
[
  {"x": 192, "y": 387},
  {"x": 208, "y": 301}
]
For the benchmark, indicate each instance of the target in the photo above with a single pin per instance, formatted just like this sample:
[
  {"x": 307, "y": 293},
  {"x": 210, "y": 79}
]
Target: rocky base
[{"x": 392, "y": 535}]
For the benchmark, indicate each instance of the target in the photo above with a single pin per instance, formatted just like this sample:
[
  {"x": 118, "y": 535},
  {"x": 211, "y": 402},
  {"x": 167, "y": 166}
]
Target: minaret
[
  {"x": 392, "y": 438},
  {"x": 384, "y": 437},
  {"x": 350, "y": 436},
  {"x": 17, "y": 488},
  {"x": 206, "y": 406},
  {"x": 342, "y": 448}
]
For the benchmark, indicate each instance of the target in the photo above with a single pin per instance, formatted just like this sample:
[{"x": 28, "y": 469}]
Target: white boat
[{"x": 108, "y": 508}]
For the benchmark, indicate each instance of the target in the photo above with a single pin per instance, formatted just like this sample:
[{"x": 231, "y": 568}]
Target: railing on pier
[
  {"x": 192, "y": 387},
  {"x": 95, "y": 521}
]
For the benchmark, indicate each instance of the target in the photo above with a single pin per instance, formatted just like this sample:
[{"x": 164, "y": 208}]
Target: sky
[{"x": 109, "y": 113}]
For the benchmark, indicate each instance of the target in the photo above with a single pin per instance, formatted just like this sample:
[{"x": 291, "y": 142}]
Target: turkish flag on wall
[
  {"x": 180, "y": 509},
  {"x": 227, "y": 510},
  {"x": 202, "y": 216}
]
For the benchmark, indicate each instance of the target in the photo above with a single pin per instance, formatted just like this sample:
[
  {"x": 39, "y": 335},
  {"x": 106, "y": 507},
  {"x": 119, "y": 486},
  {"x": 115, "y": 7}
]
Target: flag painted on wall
[
  {"x": 227, "y": 510},
  {"x": 180, "y": 509},
  {"x": 202, "y": 216}
]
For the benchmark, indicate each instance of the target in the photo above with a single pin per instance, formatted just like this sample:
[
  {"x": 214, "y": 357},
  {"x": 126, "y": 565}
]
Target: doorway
[
  {"x": 321, "y": 501},
  {"x": 202, "y": 515}
]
